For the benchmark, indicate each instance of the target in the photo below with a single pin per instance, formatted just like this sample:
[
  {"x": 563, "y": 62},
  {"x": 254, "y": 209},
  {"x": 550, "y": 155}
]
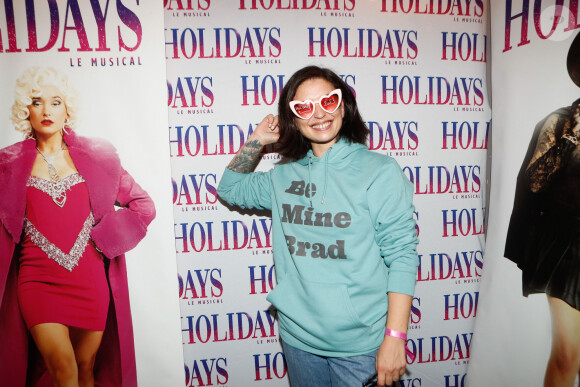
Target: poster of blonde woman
[{"x": 87, "y": 266}]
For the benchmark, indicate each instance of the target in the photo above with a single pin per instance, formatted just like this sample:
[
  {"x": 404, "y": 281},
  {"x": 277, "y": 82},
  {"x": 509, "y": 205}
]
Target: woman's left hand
[{"x": 391, "y": 361}]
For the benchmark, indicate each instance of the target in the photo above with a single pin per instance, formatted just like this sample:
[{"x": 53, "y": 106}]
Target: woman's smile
[{"x": 322, "y": 126}]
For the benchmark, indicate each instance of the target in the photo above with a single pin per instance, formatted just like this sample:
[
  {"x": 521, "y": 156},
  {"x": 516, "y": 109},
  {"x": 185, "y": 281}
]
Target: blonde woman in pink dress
[{"x": 62, "y": 245}]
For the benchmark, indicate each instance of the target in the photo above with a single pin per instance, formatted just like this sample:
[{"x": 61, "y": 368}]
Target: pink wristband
[
  {"x": 397, "y": 334},
  {"x": 403, "y": 336}
]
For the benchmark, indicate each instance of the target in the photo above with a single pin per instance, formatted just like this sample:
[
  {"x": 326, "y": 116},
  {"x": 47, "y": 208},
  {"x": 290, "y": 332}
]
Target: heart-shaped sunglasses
[{"x": 329, "y": 103}]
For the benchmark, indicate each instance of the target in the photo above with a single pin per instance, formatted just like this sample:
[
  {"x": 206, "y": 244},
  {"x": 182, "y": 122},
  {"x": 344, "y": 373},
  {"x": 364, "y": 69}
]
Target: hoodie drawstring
[
  {"x": 325, "y": 175},
  {"x": 310, "y": 180}
]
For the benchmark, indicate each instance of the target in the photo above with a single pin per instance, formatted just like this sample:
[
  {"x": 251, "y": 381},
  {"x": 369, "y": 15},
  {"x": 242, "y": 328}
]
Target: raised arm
[
  {"x": 238, "y": 186},
  {"x": 248, "y": 156}
]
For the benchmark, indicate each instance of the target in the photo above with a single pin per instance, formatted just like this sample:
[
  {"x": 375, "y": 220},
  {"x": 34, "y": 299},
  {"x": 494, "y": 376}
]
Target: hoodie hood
[{"x": 337, "y": 154}]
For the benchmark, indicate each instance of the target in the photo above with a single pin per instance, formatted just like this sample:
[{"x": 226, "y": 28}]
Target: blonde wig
[{"x": 30, "y": 86}]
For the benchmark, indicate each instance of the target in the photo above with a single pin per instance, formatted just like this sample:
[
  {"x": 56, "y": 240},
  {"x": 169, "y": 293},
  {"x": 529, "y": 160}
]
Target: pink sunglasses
[{"x": 329, "y": 103}]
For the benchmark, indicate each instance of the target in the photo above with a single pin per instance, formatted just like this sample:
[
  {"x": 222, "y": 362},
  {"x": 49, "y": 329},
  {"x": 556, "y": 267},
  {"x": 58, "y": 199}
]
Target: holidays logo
[
  {"x": 463, "y": 267},
  {"x": 265, "y": 89},
  {"x": 258, "y": 89},
  {"x": 269, "y": 366},
  {"x": 223, "y": 42},
  {"x": 318, "y": 5},
  {"x": 460, "y": 92},
  {"x": 464, "y": 47},
  {"x": 72, "y": 32},
  {"x": 196, "y": 190},
  {"x": 232, "y": 326},
  {"x": 397, "y": 138},
  {"x": 463, "y": 181},
  {"x": 465, "y": 135},
  {"x": 262, "y": 279},
  {"x": 471, "y": 8},
  {"x": 67, "y": 31},
  {"x": 206, "y": 372},
  {"x": 440, "y": 348},
  {"x": 463, "y": 222},
  {"x": 191, "y": 95},
  {"x": 223, "y": 236},
  {"x": 555, "y": 16},
  {"x": 206, "y": 140},
  {"x": 363, "y": 43},
  {"x": 460, "y": 305},
  {"x": 201, "y": 286}
]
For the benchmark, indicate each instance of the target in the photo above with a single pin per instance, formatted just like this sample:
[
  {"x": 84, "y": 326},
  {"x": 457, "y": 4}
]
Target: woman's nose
[{"x": 318, "y": 112}]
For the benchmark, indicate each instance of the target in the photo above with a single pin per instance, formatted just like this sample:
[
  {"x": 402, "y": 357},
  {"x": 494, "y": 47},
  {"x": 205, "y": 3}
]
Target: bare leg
[
  {"x": 564, "y": 363},
  {"x": 85, "y": 344},
  {"x": 54, "y": 344}
]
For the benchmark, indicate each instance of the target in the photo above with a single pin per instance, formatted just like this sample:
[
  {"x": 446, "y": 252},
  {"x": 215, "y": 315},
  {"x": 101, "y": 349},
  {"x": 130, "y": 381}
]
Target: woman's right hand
[{"x": 267, "y": 131}]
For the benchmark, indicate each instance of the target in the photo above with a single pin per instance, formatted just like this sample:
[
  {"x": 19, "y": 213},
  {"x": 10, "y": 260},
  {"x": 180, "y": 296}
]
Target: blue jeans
[{"x": 307, "y": 370}]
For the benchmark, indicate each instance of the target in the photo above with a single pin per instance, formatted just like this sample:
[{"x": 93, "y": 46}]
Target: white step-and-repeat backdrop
[{"x": 418, "y": 70}]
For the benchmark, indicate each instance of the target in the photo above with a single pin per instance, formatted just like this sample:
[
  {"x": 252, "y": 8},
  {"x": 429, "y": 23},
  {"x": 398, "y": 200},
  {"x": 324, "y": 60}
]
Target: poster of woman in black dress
[{"x": 544, "y": 231}]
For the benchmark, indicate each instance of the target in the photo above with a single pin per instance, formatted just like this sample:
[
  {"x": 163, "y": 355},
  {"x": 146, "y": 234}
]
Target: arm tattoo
[{"x": 247, "y": 158}]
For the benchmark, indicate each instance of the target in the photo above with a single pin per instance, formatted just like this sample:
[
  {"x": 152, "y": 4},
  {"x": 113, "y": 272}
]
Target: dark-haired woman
[
  {"x": 344, "y": 235},
  {"x": 544, "y": 234}
]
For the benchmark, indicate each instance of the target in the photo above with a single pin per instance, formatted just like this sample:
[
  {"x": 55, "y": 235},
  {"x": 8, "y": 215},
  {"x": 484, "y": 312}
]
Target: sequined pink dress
[{"x": 62, "y": 275}]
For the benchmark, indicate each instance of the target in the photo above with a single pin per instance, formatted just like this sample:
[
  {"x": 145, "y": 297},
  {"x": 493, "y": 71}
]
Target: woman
[
  {"x": 344, "y": 235},
  {"x": 62, "y": 271},
  {"x": 544, "y": 234}
]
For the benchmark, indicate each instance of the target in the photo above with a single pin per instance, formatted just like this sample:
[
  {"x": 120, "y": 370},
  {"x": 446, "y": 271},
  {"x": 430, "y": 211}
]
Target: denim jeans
[{"x": 308, "y": 370}]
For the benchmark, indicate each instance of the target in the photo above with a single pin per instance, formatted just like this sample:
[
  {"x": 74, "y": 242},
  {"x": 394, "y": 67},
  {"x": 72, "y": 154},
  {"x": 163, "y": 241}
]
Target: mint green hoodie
[{"x": 343, "y": 237}]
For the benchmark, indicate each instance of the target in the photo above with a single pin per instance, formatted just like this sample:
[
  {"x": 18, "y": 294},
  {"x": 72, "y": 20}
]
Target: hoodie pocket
[{"x": 321, "y": 315}]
